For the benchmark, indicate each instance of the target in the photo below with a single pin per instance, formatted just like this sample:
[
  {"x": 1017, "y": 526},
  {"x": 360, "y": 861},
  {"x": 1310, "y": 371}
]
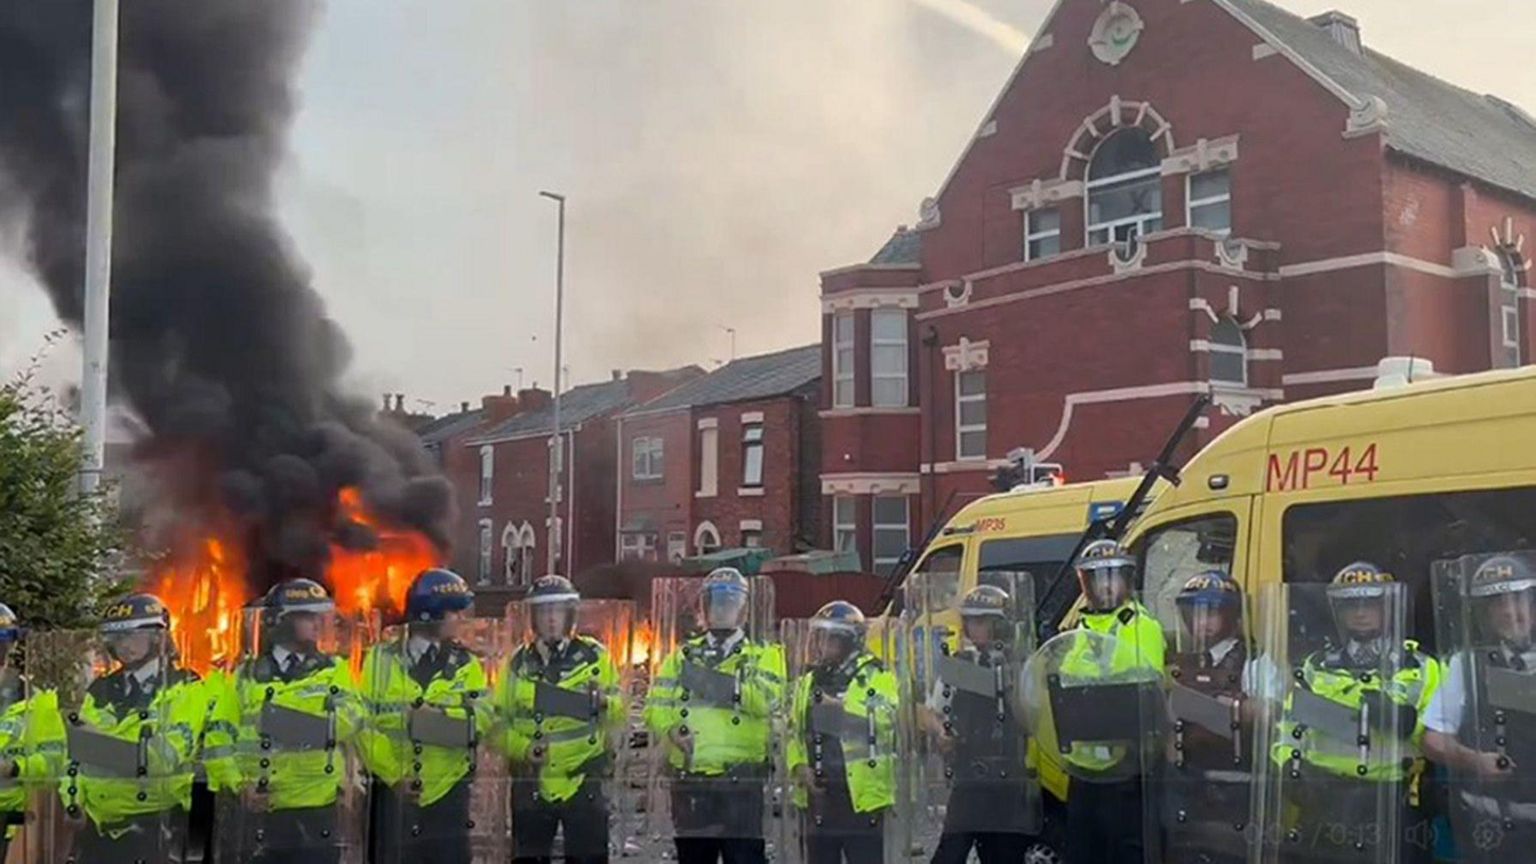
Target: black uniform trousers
[
  {"x": 834, "y": 833},
  {"x": 716, "y": 819},
  {"x": 150, "y": 839},
  {"x": 403, "y": 830},
  {"x": 1104, "y": 822},
  {"x": 535, "y": 822},
  {"x": 989, "y": 817}
]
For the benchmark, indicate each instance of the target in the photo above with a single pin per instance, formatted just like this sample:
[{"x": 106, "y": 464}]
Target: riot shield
[
  {"x": 846, "y": 733},
  {"x": 31, "y": 731},
  {"x": 563, "y": 707},
  {"x": 1485, "y": 612},
  {"x": 1199, "y": 781},
  {"x": 441, "y": 790},
  {"x": 1337, "y": 706},
  {"x": 282, "y": 752},
  {"x": 120, "y": 750},
  {"x": 1095, "y": 700},
  {"x": 968, "y": 772},
  {"x": 717, "y": 685}
]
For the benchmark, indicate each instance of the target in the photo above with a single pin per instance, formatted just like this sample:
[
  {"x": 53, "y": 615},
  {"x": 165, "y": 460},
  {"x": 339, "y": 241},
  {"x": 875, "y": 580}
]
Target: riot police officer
[
  {"x": 134, "y": 809},
  {"x": 1347, "y": 742},
  {"x": 560, "y": 702},
  {"x": 430, "y": 704},
  {"x": 280, "y": 752},
  {"x": 1203, "y": 789},
  {"x": 984, "y": 740},
  {"x": 30, "y": 732},
  {"x": 1104, "y": 815},
  {"x": 1481, "y": 722},
  {"x": 711, "y": 706},
  {"x": 842, "y": 745}
]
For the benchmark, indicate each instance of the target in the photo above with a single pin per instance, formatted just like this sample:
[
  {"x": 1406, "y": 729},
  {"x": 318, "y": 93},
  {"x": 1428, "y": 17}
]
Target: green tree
[{"x": 56, "y": 545}]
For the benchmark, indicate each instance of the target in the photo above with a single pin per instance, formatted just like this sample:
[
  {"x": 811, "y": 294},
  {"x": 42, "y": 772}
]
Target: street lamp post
[
  {"x": 556, "y": 457},
  {"x": 98, "y": 242}
]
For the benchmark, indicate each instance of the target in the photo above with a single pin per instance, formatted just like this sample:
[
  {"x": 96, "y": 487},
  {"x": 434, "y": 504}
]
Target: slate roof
[
  {"x": 1428, "y": 119},
  {"x": 904, "y": 247},
  {"x": 578, "y": 405},
  {"x": 449, "y": 425},
  {"x": 743, "y": 380}
]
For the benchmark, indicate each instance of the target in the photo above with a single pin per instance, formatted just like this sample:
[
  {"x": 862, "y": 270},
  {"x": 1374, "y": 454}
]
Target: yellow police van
[{"x": 1401, "y": 476}]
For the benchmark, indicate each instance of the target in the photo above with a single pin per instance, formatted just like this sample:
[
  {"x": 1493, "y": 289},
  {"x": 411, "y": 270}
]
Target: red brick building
[
  {"x": 501, "y": 473},
  {"x": 729, "y": 459},
  {"x": 1169, "y": 197}
]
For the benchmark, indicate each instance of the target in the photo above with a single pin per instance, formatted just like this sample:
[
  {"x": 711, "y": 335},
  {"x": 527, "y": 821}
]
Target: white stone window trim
[
  {"x": 487, "y": 474},
  {"x": 709, "y": 423},
  {"x": 750, "y": 525},
  {"x": 706, "y": 529},
  {"x": 1206, "y": 154},
  {"x": 961, "y": 428}
]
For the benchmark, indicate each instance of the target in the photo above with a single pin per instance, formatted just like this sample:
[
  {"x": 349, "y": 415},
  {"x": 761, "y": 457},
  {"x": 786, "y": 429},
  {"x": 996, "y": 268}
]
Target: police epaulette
[
  {"x": 1127, "y": 614},
  {"x": 871, "y": 662},
  {"x": 592, "y": 650}
]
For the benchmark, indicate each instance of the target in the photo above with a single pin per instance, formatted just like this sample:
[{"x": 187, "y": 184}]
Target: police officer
[
  {"x": 288, "y": 784},
  {"x": 1490, "y": 749},
  {"x": 718, "y": 741},
  {"x": 842, "y": 741},
  {"x": 152, "y": 704},
  {"x": 421, "y": 788},
  {"x": 985, "y": 742},
  {"x": 1343, "y": 783},
  {"x": 1104, "y": 818},
  {"x": 1205, "y": 785},
  {"x": 30, "y": 732},
  {"x": 561, "y": 707}
]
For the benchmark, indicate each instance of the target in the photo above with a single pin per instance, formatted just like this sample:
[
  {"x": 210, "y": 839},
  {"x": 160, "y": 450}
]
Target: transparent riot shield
[
  {"x": 968, "y": 770},
  {"x": 1337, "y": 694},
  {"x": 717, "y": 684},
  {"x": 846, "y": 733},
  {"x": 1198, "y": 778},
  {"x": 1485, "y": 614},
  {"x": 563, "y": 707},
  {"x": 119, "y": 749},
  {"x": 30, "y": 731},
  {"x": 441, "y": 789},
  {"x": 283, "y": 749}
]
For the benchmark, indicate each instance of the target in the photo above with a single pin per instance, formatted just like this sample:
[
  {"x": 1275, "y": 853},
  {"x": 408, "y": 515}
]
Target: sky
[{"x": 716, "y": 154}]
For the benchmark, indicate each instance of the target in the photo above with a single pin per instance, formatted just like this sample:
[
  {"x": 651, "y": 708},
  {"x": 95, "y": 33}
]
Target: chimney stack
[
  {"x": 506, "y": 389},
  {"x": 1344, "y": 29},
  {"x": 618, "y": 374},
  {"x": 386, "y": 403},
  {"x": 463, "y": 407},
  {"x": 400, "y": 403},
  {"x": 499, "y": 408}
]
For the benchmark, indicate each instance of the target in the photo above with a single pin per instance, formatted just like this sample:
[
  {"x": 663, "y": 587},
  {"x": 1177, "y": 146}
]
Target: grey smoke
[{"x": 220, "y": 344}]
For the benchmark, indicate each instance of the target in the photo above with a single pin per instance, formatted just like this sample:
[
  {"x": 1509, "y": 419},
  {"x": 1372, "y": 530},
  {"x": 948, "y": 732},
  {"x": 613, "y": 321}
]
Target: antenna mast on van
[{"x": 1052, "y": 605}]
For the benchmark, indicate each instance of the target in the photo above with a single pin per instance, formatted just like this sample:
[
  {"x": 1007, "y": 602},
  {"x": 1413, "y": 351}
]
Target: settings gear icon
[{"x": 1488, "y": 835}]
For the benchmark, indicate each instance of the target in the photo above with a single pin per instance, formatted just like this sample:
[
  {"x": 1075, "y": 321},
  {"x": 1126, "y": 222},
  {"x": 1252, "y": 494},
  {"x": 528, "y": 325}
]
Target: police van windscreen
[{"x": 1042, "y": 557}]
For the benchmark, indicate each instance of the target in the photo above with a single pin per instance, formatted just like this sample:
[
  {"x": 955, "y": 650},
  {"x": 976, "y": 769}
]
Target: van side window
[
  {"x": 1405, "y": 536},
  {"x": 1173, "y": 553},
  {"x": 941, "y": 561},
  {"x": 1042, "y": 557}
]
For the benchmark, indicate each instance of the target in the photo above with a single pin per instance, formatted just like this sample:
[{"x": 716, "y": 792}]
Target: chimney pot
[
  {"x": 618, "y": 374},
  {"x": 386, "y": 401},
  {"x": 400, "y": 402},
  {"x": 1344, "y": 29},
  {"x": 506, "y": 389},
  {"x": 463, "y": 407}
]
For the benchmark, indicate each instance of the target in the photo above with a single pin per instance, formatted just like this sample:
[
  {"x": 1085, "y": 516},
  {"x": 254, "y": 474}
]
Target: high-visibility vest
[
  {"x": 1139, "y": 645},
  {"x": 868, "y": 742},
  {"x": 726, "y": 733},
  {"x": 1328, "y": 674},
  {"x": 459, "y": 689},
  {"x": 234, "y": 751},
  {"x": 169, "y": 727},
  {"x": 572, "y": 747},
  {"x": 31, "y": 736}
]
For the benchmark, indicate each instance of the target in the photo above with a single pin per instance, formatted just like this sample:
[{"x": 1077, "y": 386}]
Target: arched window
[
  {"x": 1125, "y": 188},
  {"x": 520, "y": 544},
  {"x": 1229, "y": 353},
  {"x": 1511, "y": 280},
  {"x": 706, "y": 538}
]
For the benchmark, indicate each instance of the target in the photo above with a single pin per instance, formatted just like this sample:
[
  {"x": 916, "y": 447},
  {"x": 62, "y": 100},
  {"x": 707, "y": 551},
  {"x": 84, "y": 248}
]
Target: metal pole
[
  {"x": 98, "y": 242},
  {"x": 556, "y": 459}
]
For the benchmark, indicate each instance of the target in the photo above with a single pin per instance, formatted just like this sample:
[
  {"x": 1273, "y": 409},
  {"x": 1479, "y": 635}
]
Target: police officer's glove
[{"x": 682, "y": 739}]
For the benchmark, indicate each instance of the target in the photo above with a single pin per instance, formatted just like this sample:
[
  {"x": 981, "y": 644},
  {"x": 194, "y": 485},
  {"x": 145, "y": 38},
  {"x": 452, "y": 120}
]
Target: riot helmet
[
  {"x": 292, "y": 613},
  {"x": 1360, "y": 596},
  {"x": 10, "y": 631},
  {"x": 552, "y": 602},
  {"x": 985, "y": 619},
  {"x": 134, "y": 628},
  {"x": 1107, "y": 573},
  {"x": 1503, "y": 593},
  {"x": 436, "y": 603},
  {"x": 1210, "y": 609},
  {"x": 723, "y": 601},
  {"x": 837, "y": 632}
]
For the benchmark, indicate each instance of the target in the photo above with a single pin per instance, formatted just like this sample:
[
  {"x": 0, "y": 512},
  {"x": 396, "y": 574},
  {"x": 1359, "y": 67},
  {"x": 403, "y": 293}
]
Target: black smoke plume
[{"x": 220, "y": 344}]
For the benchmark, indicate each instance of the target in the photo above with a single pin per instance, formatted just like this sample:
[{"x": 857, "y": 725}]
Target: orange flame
[
  {"x": 640, "y": 644},
  {"x": 207, "y": 590}
]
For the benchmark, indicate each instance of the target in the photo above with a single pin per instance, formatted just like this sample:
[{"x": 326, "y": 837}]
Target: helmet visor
[
  {"x": 1105, "y": 588},
  {"x": 1508, "y": 618},
  {"x": 724, "y": 607},
  {"x": 1204, "y": 624},
  {"x": 554, "y": 619}
]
